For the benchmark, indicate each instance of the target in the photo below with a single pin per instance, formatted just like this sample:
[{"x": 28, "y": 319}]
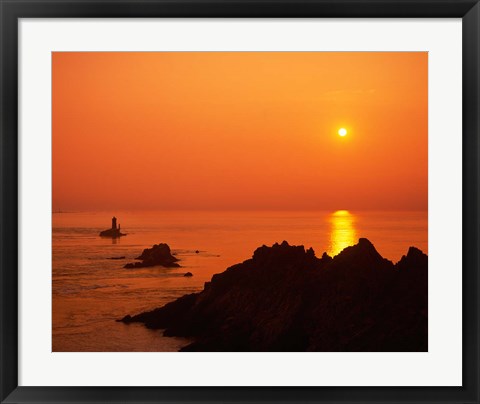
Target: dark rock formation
[
  {"x": 159, "y": 254},
  {"x": 112, "y": 233},
  {"x": 188, "y": 274},
  {"x": 286, "y": 299}
]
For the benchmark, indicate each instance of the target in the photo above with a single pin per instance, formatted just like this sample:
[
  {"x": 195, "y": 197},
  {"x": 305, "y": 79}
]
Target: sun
[{"x": 342, "y": 132}]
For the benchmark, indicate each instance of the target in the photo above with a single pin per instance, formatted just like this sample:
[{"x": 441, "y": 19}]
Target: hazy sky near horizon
[{"x": 231, "y": 130}]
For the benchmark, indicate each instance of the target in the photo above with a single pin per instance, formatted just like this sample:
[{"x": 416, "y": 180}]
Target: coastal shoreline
[{"x": 286, "y": 299}]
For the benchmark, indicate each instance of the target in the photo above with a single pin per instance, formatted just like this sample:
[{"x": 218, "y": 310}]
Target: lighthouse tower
[{"x": 114, "y": 231}]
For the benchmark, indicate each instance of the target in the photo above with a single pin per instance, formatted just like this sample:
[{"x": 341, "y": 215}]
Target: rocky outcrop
[
  {"x": 286, "y": 299},
  {"x": 159, "y": 254},
  {"x": 112, "y": 233}
]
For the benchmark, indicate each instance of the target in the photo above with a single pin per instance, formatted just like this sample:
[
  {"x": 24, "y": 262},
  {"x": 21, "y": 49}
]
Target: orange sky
[{"x": 239, "y": 130}]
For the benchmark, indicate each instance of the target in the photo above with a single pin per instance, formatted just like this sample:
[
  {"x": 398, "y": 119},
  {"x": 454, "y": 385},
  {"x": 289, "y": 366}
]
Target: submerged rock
[
  {"x": 159, "y": 254},
  {"x": 286, "y": 299}
]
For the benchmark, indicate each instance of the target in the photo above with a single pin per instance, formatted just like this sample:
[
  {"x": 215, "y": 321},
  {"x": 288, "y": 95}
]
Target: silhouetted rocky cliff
[{"x": 286, "y": 299}]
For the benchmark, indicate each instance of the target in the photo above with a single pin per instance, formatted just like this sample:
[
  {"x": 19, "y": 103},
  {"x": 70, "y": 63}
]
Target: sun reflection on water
[{"x": 342, "y": 231}]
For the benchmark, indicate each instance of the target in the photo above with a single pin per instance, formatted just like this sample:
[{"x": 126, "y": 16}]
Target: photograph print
[{"x": 240, "y": 201}]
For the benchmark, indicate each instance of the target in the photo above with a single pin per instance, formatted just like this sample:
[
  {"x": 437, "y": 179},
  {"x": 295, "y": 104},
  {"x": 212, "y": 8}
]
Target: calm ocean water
[{"x": 91, "y": 291}]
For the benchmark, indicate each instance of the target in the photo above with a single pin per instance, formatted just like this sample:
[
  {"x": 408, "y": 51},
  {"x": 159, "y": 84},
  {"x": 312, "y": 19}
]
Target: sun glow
[
  {"x": 342, "y": 232},
  {"x": 342, "y": 132}
]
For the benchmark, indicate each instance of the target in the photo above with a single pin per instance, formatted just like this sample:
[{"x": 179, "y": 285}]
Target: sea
[{"x": 91, "y": 289}]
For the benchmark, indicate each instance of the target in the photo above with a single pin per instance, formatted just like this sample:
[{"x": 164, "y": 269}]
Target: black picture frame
[{"x": 13, "y": 10}]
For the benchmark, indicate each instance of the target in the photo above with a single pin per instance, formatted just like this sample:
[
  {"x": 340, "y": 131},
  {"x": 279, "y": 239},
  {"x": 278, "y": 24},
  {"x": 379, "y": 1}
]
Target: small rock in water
[
  {"x": 196, "y": 251},
  {"x": 188, "y": 274},
  {"x": 159, "y": 254}
]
